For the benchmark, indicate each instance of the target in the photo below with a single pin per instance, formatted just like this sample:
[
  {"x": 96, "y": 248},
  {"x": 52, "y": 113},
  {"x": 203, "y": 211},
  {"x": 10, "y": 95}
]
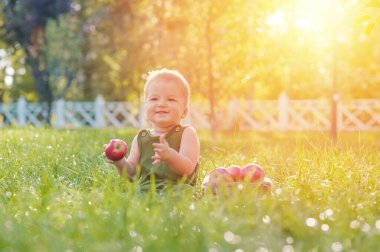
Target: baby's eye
[
  {"x": 153, "y": 99},
  {"x": 172, "y": 99}
]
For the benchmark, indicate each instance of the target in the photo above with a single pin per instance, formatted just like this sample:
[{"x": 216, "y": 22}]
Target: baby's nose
[{"x": 162, "y": 102}]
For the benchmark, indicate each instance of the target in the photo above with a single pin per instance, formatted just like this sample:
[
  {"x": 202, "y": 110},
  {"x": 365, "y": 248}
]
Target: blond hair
[{"x": 168, "y": 75}]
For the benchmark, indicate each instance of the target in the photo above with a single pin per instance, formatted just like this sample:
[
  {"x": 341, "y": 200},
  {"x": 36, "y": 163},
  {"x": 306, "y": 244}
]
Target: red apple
[
  {"x": 116, "y": 149},
  {"x": 252, "y": 172},
  {"x": 266, "y": 186},
  {"x": 218, "y": 175},
  {"x": 234, "y": 172}
]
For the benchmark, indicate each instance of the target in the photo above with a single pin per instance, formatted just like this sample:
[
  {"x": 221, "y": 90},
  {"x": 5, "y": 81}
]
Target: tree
[{"x": 25, "y": 23}]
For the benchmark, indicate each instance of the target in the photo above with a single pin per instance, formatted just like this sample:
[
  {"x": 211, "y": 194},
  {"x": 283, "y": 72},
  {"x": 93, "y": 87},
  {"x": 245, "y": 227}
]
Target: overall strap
[{"x": 145, "y": 140}]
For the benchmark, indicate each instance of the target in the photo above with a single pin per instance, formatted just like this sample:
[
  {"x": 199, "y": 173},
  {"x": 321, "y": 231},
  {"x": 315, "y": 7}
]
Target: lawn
[{"x": 58, "y": 194}]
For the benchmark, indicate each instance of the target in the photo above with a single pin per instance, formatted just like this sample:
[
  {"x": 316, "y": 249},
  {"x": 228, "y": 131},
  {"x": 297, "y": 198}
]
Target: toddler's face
[{"x": 165, "y": 103}]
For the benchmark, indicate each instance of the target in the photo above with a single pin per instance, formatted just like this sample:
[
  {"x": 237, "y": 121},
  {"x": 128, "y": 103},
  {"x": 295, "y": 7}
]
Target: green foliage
[
  {"x": 58, "y": 194},
  {"x": 64, "y": 56},
  {"x": 224, "y": 48},
  {"x": 369, "y": 20},
  {"x": 248, "y": 58},
  {"x": 24, "y": 27}
]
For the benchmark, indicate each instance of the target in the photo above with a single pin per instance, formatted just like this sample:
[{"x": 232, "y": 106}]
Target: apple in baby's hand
[
  {"x": 252, "y": 172},
  {"x": 116, "y": 149},
  {"x": 234, "y": 172}
]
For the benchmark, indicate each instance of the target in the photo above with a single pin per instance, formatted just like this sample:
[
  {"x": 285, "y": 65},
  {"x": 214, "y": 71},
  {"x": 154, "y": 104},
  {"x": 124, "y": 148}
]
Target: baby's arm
[
  {"x": 127, "y": 166},
  {"x": 184, "y": 161}
]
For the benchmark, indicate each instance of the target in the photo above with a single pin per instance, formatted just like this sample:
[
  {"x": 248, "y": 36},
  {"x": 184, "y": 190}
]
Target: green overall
[{"x": 162, "y": 172}]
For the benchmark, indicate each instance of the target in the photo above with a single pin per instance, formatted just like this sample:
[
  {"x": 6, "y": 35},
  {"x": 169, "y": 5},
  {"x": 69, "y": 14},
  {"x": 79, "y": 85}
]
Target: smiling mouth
[{"x": 161, "y": 112}]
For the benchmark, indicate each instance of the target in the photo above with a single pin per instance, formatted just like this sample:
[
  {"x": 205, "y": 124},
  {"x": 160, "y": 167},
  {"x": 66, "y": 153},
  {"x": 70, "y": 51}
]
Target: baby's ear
[{"x": 185, "y": 112}]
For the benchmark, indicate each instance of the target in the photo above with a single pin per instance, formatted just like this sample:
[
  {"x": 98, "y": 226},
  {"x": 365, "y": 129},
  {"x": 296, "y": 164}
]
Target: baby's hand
[{"x": 161, "y": 150}]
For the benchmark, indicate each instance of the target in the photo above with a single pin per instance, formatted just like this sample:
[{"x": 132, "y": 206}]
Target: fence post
[
  {"x": 21, "y": 111},
  {"x": 283, "y": 119},
  {"x": 99, "y": 107},
  {"x": 60, "y": 110},
  {"x": 334, "y": 116},
  {"x": 339, "y": 114},
  {"x": 232, "y": 115}
]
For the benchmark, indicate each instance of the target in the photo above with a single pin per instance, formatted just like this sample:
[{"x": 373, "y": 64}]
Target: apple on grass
[
  {"x": 116, "y": 149},
  {"x": 232, "y": 176},
  {"x": 234, "y": 172},
  {"x": 252, "y": 173},
  {"x": 219, "y": 176}
]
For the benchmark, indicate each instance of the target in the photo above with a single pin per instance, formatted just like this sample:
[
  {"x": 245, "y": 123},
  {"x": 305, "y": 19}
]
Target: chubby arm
[
  {"x": 184, "y": 161},
  {"x": 127, "y": 166}
]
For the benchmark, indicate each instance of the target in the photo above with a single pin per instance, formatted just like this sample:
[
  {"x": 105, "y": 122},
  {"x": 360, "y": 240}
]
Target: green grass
[{"x": 58, "y": 194}]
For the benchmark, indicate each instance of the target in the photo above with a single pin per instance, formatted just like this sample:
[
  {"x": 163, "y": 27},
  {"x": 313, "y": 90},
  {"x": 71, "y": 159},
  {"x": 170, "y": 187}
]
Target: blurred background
[{"x": 240, "y": 49}]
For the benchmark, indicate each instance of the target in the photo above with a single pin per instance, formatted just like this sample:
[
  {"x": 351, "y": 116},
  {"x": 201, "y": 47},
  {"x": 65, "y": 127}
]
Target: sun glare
[
  {"x": 312, "y": 16},
  {"x": 277, "y": 19}
]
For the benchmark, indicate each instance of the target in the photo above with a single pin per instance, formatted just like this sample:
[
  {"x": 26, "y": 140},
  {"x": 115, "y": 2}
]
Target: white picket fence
[{"x": 274, "y": 115}]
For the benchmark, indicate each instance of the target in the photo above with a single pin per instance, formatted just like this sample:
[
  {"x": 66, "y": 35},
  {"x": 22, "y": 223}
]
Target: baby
[{"x": 169, "y": 150}]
